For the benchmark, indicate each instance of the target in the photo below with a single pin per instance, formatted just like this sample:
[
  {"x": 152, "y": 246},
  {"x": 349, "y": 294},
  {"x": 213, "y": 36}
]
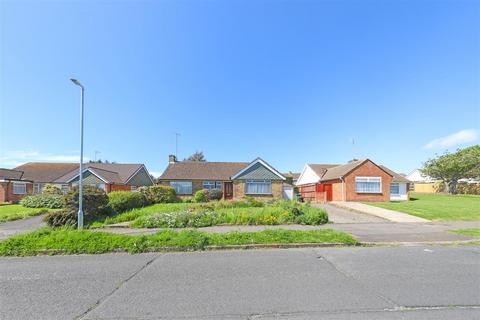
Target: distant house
[
  {"x": 358, "y": 180},
  {"x": 236, "y": 179},
  {"x": 107, "y": 176},
  {"x": 13, "y": 186}
]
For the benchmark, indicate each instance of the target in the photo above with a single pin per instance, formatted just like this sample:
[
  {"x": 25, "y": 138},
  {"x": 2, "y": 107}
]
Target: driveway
[
  {"x": 342, "y": 215},
  {"x": 8, "y": 229},
  {"x": 415, "y": 282},
  {"x": 383, "y": 213}
]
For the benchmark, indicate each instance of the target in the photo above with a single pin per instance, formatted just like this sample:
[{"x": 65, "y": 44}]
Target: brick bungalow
[
  {"x": 358, "y": 180},
  {"x": 106, "y": 176},
  {"x": 13, "y": 186},
  {"x": 236, "y": 179}
]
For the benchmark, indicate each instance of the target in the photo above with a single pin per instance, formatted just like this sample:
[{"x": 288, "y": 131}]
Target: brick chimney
[{"x": 172, "y": 159}]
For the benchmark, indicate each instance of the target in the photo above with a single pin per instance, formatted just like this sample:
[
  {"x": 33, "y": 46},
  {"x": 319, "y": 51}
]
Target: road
[{"x": 404, "y": 282}]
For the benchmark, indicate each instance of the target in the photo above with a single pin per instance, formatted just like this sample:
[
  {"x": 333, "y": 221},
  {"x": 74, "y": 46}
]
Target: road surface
[{"x": 405, "y": 282}]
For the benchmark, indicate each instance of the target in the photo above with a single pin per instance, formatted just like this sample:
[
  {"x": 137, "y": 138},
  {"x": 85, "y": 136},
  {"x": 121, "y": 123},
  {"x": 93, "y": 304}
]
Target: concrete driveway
[
  {"x": 341, "y": 215},
  {"x": 10, "y": 228},
  {"x": 419, "y": 282}
]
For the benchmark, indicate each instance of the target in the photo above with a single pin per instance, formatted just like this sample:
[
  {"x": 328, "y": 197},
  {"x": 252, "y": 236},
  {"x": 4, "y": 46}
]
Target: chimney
[
  {"x": 172, "y": 159},
  {"x": 353, "y": 160}
]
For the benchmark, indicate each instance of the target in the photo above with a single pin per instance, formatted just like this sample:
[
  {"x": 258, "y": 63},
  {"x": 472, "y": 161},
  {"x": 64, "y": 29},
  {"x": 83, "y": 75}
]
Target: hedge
[{"x": 121, "y": 201}]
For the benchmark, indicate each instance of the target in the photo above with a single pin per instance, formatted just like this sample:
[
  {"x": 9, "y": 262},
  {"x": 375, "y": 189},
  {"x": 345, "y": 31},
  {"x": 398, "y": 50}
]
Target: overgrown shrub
[
  {"x": 468, "y": 188},
  {"x": 201, "y": 195},
  {"x": 61, "y": 218},
  {"x": 95, "y": 204},
  {"x": 159, "y": 194},
  {"x": 215, "y": 194},
  {"x": 187, "y": 200},
  {"x": 50, "y": 189},
  {"x": 42, "y": 201},
  {"x": 121, "y": 201},
  {"x": 312, "y": 216}
]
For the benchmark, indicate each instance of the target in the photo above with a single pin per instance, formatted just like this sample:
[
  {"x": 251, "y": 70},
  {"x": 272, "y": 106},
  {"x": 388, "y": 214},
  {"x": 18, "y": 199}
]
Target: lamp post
[{"x": 80, "y": 181}]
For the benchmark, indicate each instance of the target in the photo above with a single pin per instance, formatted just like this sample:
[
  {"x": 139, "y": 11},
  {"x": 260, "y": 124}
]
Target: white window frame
[
  {"x": 19, "y": 184},
  {"x": 368, "y": 180},
  {"x": 64, "y": 188},
  {"x": 209, "y": 184},
  {"x": 258, "y": 181},
  {"x": 180, "y": 191},
  {"x": 133, "y": 188},
  {"x": 37, "y": 188},
  {"x": 398, "y": 188}
]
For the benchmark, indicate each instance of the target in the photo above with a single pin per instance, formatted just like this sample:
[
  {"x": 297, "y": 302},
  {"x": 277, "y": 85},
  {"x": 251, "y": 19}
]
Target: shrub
[
  {"x": 201, "y": 195},
  {"x": 187, "y": 200},
  {"x": 159, "y": 194},
  {"x": 61, "y": 218},
  {"x": 95, "y": 204},
  {"x": 42, "y": 201},
  {"x": 312, "y": 216},
  {"x": 215, "y": 194},
  {"x": 121, "y": 201},
  {"x": 52, "y": 190},
  {"x": 180, "y": 219},
  {"x": 468, "y": 188}
]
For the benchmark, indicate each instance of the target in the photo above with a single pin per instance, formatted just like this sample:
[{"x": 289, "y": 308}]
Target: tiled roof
[
  {"x": 396, "y": 177},
  {"x": 111, "y": 172},
  {"x": 10, "y": 174},
  {"x": 194, "y": 170},
  {"x": 45, "y": 171},
  {"x": 320, "y": 169}
]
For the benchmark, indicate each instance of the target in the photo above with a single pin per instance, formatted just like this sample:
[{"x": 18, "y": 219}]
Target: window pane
[
  {"x": 208, "y": 185},
  {"x": 19, "y": 188},
  {"x": 182, "y": 187},
  {"x": 394, "y": 188},
  {"x": 258, "y": 187},
  {"x": 368, "y": 184}
]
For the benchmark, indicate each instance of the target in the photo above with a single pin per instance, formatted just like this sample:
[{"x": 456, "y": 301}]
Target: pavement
[
  {"x": 382, "y": 213},
  {"x": 10, "y": 228},
  {"x": 405, "y": 282}
]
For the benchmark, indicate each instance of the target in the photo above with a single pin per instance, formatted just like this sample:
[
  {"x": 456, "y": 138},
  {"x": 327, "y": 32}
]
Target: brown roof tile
[
  {"x": 10, "y": 174},
  {"x": 44, "y": 171},
  {"x": 192, "y": 170},
  {"x": 396, "y": 177},
  {"x": 112, "y": 172}
]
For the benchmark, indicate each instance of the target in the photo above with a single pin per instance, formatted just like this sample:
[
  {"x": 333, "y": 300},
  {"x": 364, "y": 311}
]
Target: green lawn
[
  {"x": 474, "y": 232},
  {"x": 437, "y": 207},
  {"x": 70, "y": 241},
  {"x": 15, "y": 211}
]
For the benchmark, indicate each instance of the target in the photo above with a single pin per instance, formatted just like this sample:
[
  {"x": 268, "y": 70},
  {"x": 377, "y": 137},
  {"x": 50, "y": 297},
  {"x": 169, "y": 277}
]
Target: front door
[
  {"x": 329, "y": 191},
  {"x": 228, "y": 190}
]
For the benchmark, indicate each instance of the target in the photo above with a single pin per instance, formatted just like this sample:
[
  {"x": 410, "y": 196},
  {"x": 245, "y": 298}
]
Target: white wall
[
  {"x": 287, "y": 192},
  {"x": 307, "y": 176},
  {"x": 403, "y": 193},
  {"x": 417, "y": 176}
]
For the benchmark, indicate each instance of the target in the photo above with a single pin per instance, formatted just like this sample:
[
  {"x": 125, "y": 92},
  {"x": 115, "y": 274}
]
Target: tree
[
  {"x": 100, "y": 161},
  {"x": 451, "y": 167},
  {"x": 197, "y": 156}
]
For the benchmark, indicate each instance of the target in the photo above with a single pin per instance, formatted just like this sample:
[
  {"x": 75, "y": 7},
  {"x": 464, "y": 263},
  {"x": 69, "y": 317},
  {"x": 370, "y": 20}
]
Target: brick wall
[
  {"x": 117, "y": 187},
  {"x": 6, "y": 192},
  {"x": 368, "y": 169}
]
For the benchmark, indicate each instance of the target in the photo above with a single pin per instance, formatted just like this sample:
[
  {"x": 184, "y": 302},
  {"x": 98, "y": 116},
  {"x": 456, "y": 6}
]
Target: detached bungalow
[
  {"x": 358, "y": 180},
  {"x": 236, "y": 179},
  {"x": 31, "y": 177}
]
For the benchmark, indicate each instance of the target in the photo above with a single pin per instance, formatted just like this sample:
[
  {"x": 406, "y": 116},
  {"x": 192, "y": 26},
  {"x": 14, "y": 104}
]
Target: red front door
[
  {"x": 228, "y": 190},
  {"x": 327, "y": 188}
]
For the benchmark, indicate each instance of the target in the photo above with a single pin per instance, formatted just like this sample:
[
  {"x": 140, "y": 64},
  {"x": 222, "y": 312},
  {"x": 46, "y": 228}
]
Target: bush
[
  {"x": 201, "y": 196},
  {"x": 51, "y": 189},
  {"x": 61, "y": 218},
  {"x": 95, "y": 205},
  {"x": 42, "y": 201},
  {"x": 468, "y": 188},
  {"x": 312, "y": 216},
  {"x": 215, "y": 194},
  {"x": 180, "y": 219},
  {"x": 121, "y": 201},
  {"x": 159, "y": 194},
  {"x": 187, "y": 200}
]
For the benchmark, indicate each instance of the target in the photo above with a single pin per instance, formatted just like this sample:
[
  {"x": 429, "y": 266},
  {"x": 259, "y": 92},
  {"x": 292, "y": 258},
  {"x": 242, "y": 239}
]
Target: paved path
[
  {"x": 386, "y": 214},
  {"x": 377, "y": 283},
  {"x": 8, "y": 229},
  {"x": 341, "y": 215}
]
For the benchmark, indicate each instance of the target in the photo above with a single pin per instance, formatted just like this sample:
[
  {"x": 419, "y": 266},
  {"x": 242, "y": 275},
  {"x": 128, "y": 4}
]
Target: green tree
[
  {"x": 451, "y": 167},
  {"x": 197, "y": 156}
]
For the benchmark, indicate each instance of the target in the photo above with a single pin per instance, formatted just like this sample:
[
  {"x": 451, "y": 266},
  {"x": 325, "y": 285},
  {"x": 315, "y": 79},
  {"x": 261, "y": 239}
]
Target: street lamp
[{"x": 80, "y": 184}]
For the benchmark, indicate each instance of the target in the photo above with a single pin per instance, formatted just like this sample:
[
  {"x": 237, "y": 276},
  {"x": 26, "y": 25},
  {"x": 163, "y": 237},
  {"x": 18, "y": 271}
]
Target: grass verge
[
  {"x": 437, "y": 207},
  {"x": 473, "y": 232},
  {"x": 70, "y": 241},
  {"x": 9, "y": 212}
]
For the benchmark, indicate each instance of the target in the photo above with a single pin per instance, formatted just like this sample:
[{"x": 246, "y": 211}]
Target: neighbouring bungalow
[
  {"x": 236, "y": 179},
  {"x": 30, "y": 178},
  {"x": 13, "y": 186},
  {"x": 358, "y": 180}
]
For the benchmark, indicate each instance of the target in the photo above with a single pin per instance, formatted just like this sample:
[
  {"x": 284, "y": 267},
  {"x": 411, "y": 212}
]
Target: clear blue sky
[{"x": 290, "y": 81}]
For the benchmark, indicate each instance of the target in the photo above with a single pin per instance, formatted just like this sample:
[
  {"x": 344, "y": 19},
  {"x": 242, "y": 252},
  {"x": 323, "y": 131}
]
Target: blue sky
[{"x": 290, "y": 81}]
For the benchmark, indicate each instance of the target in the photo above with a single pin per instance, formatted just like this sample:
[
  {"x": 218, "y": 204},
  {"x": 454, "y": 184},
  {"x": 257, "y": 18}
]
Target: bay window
[
  {"x": 258, "y": 187},
  {"x": 368, "y": 184},
  {"x": 182, "y": 187}
]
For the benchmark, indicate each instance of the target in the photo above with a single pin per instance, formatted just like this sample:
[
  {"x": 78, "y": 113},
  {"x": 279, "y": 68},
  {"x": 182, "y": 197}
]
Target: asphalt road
[{"x": 407, "y": 282}]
